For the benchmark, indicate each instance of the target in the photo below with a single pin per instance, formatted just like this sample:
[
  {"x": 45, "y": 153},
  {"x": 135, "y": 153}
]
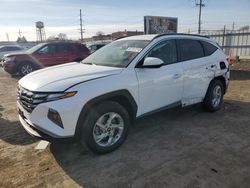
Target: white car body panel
[
  {"x": 72, "y": 111},
  {"x": 64, "y": 76},
  {"x": 196, "y": 78},
  {"x": 159, "y": 87},
  {"x": 151, "y": 88}
]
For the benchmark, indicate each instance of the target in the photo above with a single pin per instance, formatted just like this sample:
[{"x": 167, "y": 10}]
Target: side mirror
[
  {"x": 38, "y": 52},
  {"x": 152, "y": 62}
]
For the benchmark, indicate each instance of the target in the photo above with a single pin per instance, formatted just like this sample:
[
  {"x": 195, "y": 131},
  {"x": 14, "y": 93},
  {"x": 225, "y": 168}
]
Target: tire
[
  {"x": 214, "y": 96},
  {"x": 25, "y": 68},
  {"x": 105, "y": 128}
]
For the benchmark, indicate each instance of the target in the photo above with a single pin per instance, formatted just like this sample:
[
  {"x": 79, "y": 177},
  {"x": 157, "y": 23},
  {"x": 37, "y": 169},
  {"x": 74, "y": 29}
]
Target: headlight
[
  {"x": 11, "y": 58},
  {"x": 46, "y": 97},
  {"x": 57, "y": 96}
]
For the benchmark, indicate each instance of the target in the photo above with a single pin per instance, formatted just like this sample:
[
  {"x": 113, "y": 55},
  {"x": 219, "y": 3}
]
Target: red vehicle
[{"x": 44, "y": 55}]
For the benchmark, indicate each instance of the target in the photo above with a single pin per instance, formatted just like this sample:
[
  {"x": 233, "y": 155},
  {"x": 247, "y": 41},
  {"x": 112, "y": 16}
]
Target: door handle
[{"x": 176, "y": 76}]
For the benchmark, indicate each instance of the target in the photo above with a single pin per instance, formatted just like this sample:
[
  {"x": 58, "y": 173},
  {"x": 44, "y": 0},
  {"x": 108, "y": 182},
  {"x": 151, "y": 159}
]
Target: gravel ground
[{"x": 175, "y": 148}]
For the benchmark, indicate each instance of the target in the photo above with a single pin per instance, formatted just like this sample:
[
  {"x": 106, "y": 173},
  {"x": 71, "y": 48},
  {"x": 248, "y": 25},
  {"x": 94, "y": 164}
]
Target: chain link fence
[{"x": 238, "y": 41}]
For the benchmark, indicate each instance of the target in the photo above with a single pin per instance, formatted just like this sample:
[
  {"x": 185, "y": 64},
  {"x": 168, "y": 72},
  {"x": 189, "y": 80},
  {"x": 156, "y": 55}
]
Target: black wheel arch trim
[
  {"x": 21, "y": 63},
  {"x": 116, "y": 96},
  {"x": 223, "y": 81}
]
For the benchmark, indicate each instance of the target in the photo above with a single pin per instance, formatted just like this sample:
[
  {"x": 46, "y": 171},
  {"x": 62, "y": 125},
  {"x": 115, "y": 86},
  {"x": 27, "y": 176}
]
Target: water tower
[{"x": 40, "y": 32}]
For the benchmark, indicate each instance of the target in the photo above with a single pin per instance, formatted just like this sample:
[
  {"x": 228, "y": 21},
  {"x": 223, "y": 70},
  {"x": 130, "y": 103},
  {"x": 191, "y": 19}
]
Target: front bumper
[
  {"x": 9, "y": 67},
  {"x": 41, "y": 134},
  {"x": 38, "y": 125}
]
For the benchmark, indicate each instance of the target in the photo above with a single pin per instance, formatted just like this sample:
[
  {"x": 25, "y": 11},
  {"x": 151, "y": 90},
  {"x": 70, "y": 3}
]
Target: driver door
[
  {"x": 45, "y": 55},
  {"x": 162, "y": 86}
]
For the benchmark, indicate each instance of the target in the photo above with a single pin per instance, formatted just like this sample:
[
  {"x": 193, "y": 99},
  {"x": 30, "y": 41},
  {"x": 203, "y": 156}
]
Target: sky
[{"x": 62, "y": 16}]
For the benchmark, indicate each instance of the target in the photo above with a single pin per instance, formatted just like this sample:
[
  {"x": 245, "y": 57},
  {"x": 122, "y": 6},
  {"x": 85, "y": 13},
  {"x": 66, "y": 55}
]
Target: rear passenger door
[
  {"x": 197, "y": 72},
  {"x": 45, "y": 55},
  {"x": 64, "y": 53}
]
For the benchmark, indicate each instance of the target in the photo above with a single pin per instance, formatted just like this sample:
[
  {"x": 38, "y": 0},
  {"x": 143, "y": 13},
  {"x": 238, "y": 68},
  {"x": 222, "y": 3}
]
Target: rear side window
[
  {"x": 63, "y": 48},
  {"x": 189, "y": 49},
  {"x": 209, "y": 49}
]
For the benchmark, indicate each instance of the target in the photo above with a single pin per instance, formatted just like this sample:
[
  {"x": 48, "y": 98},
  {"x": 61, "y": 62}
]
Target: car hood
[
  {"x": 16, "y": 53},
  {"x": 61, "y": 77}
]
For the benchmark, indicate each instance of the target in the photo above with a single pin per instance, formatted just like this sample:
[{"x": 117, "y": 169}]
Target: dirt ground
[{"x": 175, "y": 148}]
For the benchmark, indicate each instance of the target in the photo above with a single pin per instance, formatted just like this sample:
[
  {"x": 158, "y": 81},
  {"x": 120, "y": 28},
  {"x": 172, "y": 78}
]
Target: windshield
[
  {"x": 35, "y": 48},
  {"x": 117, "y": 54}
]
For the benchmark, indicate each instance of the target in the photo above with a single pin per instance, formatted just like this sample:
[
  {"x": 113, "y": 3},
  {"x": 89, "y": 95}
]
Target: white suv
[{"x": 96, "y": 101}]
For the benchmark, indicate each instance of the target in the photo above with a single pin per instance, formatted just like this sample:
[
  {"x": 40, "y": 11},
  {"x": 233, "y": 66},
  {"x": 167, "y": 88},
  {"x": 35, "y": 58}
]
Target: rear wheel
[
  {"x": 25, "y": 68},
  {"x": 214, "y": 96},
  {"x": 106, "y": 127}
]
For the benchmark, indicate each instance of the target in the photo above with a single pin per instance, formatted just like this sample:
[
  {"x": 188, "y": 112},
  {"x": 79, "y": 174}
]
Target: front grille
[{"x": 29, "y": 100}]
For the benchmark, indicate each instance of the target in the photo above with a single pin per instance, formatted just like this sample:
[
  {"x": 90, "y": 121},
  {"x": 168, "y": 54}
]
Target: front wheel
[
  {"x": 106, "y": 127},
  {"x": 214, "y": 96},
  {"x": 25, "y": 68}
]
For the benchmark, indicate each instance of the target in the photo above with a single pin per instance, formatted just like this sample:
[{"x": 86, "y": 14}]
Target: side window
[
  {"x": 209, "y": 49},
  {"x": 82, "y": 47},
  {"x": 189, "y": 49},
  {"x": 16, "y": 48},
  {"x": 93, "y": 48},
  {"x": 63, "y": 48},
  {"x": 4, "y": 49},
  {"x": 47, "y": 49},
  {"x": 166, "y": 51},
  {"x": 12, "y": 48}
]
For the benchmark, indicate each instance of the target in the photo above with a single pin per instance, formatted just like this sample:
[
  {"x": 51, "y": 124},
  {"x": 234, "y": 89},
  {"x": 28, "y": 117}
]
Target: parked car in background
[
  {"x": 99, "y": 98},
  {"x": 9, "y": 49},
  {"x": 44, "y": 55},
  {"x": 95, "y": 47}
]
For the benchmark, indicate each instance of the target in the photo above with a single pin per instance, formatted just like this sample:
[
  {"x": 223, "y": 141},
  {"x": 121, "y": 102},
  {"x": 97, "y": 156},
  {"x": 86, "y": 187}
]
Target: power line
[{"x": 200, "y": 4}]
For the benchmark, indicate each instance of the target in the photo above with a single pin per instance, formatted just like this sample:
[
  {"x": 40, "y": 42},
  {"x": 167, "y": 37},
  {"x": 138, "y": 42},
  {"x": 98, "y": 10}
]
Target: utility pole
[
  {"x": 233, "y": 26},
  {"x": 223, "y": 38},
  {"x": 7, "y": 35},
  {"x": 20, "y": 33},
  {"x": 200, "y": 4},
  {"x": 81, "y": 30}
]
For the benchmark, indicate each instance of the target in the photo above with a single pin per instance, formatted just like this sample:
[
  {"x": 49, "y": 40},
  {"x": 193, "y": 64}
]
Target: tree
[
  {"x": 21, "y": 39},
  {"x": 51, "y": 38},
  {"x": 99, "y": 33},
  {"x": 62, "y": 36}
]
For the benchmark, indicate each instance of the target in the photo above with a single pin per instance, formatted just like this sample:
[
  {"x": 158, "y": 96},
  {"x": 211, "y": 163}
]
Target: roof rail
[{"x": 185, "y": 34}]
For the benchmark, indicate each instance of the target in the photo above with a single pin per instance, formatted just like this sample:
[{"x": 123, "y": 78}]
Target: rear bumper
[{"x": 227, "y": 78}]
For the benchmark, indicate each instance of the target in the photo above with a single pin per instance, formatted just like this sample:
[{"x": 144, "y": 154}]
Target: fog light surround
[{"x": 54, "y": 116}]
